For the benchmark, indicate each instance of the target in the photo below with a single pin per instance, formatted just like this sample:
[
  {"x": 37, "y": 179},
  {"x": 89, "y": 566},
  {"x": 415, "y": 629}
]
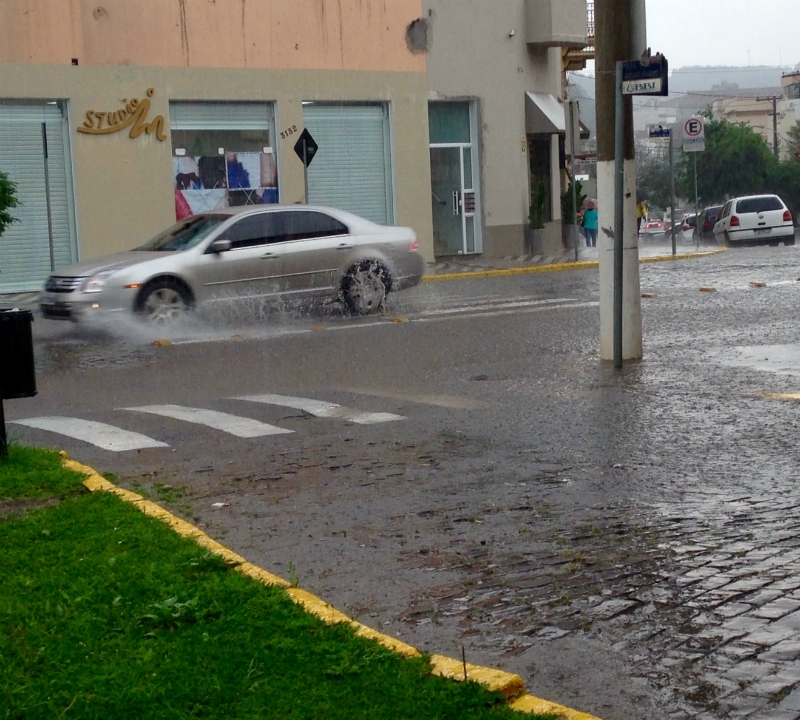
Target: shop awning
[{"x": 544, "y": 114}]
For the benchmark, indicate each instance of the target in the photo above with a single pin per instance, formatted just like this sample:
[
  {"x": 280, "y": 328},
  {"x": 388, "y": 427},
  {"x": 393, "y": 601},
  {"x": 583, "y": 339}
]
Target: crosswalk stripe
[
  {"x": 103, "y": 436},
  {"x": 321, "y": 409},
  {"x": 231, "y": 424}
]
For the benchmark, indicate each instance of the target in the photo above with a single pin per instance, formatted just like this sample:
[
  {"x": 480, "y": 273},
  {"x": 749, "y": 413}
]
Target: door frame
[{"x": 475, "y": 180}]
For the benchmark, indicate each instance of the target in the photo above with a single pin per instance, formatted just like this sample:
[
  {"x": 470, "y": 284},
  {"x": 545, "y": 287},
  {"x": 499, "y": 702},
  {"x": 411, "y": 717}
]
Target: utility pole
[
  {"x": 774, "y": 114},
  {"x": 618, "y": 38}
]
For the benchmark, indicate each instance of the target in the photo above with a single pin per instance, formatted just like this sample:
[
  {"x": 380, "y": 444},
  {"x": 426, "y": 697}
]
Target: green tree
[
  {"x": 8, "y": 201},
  {"x": 566, "y": 202},
  {"x": 736, "y": 161},
  {"x": 794, "y": 140},
  {"x": 784, "y": 181},
  {"x": 652, "y": 174}
]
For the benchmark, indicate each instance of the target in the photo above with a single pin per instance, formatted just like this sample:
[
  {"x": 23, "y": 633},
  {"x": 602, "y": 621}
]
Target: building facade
[
  {"x": 497, "y": 122},
  {"x": 116, "y": 118}
]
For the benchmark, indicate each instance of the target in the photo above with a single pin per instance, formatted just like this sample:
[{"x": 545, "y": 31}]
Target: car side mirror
[{"x": 219, "y": 245}]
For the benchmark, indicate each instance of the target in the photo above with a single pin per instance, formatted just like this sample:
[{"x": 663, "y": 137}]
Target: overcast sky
[{"x": 721, "y": 32}]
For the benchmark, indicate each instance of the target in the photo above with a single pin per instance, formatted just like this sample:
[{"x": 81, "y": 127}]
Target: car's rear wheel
[
  {"x": 163, "y": 303},
  {"x": 364, "y": 288}
]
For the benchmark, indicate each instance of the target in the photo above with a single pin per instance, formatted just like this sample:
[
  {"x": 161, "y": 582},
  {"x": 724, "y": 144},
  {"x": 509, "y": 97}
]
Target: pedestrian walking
[{"x": 590, "y": 224}]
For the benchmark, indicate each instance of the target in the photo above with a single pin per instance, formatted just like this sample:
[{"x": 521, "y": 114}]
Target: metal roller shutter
[
  {"x": 351, "y": 170},
  {"x": 220, "y": 116},
  {"x": 25, "y": 246}
]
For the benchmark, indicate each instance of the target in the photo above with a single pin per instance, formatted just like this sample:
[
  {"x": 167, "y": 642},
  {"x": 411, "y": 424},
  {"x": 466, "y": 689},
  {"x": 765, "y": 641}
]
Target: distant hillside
[{"x": 697, "y": 78}]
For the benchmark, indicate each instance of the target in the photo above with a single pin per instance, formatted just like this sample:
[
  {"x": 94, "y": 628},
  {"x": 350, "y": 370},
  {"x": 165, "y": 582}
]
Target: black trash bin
[{"x": 17, "y": 374}]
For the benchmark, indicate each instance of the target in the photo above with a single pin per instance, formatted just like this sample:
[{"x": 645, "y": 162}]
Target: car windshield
[
  {"x": 185, "y": 234},
  {"x": 759, "y": 204}
]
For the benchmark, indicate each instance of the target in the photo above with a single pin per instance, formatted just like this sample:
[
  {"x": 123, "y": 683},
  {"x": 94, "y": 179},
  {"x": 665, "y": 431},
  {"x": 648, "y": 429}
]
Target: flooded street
[{"x": 463, "y": 471}]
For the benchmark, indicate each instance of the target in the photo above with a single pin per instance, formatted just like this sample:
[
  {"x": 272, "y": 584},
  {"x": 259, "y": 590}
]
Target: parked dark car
[{"x": 708, "y": 218}]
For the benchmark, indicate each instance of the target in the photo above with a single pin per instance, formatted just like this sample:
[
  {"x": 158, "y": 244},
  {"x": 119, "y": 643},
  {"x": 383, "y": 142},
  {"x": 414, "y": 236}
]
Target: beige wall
[
  {"x": 124, "y": 186},
  {"x": 292, "y": 34},
  {"x": 471, "y": 55}
]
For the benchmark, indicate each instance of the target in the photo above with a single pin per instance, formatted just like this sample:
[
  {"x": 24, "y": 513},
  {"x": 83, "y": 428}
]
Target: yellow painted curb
[
  {"x": 560, "y": 267},
  {"x": 555, "y": 267},
  {"x": 782, "y": 396},
  {"x": 509, "y": 684}
]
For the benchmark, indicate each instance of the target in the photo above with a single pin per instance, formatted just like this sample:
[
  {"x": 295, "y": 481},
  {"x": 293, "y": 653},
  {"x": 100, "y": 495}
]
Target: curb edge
[
  {"x": 509, "y": 684},
  {"x": 561, "y": 267}
]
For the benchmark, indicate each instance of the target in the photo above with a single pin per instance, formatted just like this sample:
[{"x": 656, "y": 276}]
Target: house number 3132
[{"x": 288, "y": 133}]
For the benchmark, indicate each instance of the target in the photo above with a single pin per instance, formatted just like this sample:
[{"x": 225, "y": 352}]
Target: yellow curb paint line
[
  {"x": 560, "y": 267},
  {"x": 555, "y": 267},
  {"x": 682, "y": 256},
  {"x": 509, "y": 684},
  {"x": 782, "y": 396},
  {"x": 531, "y": 704}
]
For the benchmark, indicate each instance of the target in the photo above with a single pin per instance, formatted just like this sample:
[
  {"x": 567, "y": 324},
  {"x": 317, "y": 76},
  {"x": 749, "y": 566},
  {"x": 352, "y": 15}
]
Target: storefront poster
[{"x": 208, "y": 183}]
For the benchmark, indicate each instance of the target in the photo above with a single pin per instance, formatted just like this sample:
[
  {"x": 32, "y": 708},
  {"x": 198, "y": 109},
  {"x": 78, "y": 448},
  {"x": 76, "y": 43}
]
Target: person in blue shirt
[{"x": 590, "y": 226}]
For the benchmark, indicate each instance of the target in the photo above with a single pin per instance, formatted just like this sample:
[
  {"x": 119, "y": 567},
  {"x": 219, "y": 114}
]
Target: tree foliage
[
  {"x": 567, "y": 217},
  {"x": 794, "y": 140},
  {"x": 652, "y": 174},
  {"x": 8, "y": 201},
  {"x": 736, "y": 162}
]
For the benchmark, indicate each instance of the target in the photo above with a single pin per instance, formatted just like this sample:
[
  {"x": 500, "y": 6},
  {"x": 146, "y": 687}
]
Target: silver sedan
[{"x": 290, "y": 251}]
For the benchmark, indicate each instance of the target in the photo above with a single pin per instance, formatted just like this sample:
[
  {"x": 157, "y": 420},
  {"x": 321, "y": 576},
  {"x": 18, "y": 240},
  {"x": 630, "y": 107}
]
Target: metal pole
[
  {"x": 47, "y": 197},
  {"x": 672, "y": 192},
  {"x": 305, "y": 168},
  {"x": 573, "y": 143},
  {"x": 696, "y": 205},
  {"x": 3, "y": 437},
  {"x": 775, "y": 125},
  {"x": 619, "y": 208}
]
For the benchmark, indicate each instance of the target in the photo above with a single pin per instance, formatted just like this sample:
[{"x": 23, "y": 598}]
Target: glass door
[
  {"x": 454, "y": 194},
  {"x": 453, "y": 198}
]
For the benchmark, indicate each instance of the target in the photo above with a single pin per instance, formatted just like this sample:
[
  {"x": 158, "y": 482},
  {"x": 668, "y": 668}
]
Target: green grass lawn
[{"x": 106, "y": 613}]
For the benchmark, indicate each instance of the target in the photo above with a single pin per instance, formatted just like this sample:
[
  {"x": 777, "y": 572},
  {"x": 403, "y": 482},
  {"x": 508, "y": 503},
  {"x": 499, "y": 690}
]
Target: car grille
[
  {"x": 63, "y": 283},
  {"x": 56, "y": 311}
]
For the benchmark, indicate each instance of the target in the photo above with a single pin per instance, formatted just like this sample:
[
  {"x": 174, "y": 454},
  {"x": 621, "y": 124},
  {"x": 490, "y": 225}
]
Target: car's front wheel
[
  {"x": 364, "y": 288},
  {"x": 163, "y": 303}
]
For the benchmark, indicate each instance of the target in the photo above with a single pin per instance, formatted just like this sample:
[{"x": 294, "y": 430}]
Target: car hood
[{"x": 118, "y": 261}]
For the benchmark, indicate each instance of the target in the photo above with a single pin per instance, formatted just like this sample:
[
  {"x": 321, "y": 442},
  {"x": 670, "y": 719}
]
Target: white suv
[{"x": 756, "y": 218}]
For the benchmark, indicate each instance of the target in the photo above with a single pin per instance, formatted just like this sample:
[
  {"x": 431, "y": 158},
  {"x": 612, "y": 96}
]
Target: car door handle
[
  {"x": 269, "y": 256},
  {"x": 344, "y": 247}
]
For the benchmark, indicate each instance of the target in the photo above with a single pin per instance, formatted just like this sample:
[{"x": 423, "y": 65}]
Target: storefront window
[{"x": 223, "y": 156}]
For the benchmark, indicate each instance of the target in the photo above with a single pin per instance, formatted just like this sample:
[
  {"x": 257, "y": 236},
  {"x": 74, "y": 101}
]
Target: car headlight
[{"x": 96, "y": 283}]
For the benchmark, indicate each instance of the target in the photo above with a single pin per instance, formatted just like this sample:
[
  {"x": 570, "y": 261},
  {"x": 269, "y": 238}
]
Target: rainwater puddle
[{"x": 782, "y": 359}]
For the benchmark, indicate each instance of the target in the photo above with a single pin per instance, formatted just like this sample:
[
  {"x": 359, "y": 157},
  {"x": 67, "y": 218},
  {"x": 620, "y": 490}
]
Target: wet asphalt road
[{"x": 626, "y": 541}]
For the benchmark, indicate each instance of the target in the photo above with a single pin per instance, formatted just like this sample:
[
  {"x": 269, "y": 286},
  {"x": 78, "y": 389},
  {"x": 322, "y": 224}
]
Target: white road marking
[
  {"x": 495, "y": 306},
  {"x": 478, "y": 316},
  {"x": 103, "y": 436},
  {"x": 321, "y": 409},
  {"x": 562, "y": 304},
  {"x": 231, "y": 424},
  {"x": 445, "y": 401}
]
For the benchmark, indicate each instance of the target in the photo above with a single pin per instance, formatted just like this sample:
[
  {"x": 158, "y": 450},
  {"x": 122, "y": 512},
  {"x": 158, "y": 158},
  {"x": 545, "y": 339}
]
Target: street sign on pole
[
  {"x": 694, "y": 135},
  {"x": 648, "y": 76},
  {"x": 306, "y": 148},
  {"x": 659, "y": 131}
]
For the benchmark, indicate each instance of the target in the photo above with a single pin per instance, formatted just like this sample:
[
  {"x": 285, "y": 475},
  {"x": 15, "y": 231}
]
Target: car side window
[
  {"x": 252, "y": 231},
  {"x": 306, "y": 225},
  {"x": 726, "y": 210}
]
